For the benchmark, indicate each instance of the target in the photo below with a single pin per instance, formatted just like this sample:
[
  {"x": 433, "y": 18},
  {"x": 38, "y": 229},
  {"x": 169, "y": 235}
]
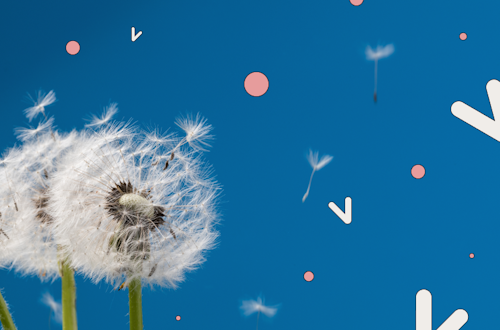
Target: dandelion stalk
[
  {"x": 68, "y": 298},
  {"x": 5, "y": 317},
  {"x": 135, "y": 304}
]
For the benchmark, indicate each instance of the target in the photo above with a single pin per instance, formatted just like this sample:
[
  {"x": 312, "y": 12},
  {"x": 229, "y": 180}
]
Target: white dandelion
[
  {"x": 250, "y": 307},
  {"x": 312, "y": 157},
  {"x": 42, "y": 101},
  {"x": 127, "y": 208},
  {"x": 26, "y": 240},
  {"x": 375, "y": 55},
  {"x": 26, "y": 243},
  {"x": 130, "y": 210},
  {"x": 106, "y": 116}
]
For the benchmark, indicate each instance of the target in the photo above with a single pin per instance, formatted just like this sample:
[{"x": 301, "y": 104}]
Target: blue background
[{"x": 193, "y": 56}]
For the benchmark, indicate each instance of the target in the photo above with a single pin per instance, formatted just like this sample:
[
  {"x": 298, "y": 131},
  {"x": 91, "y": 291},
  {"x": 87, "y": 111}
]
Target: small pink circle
[
  {"x": 308, "y": 276},
  {"x": 471, "y": 255},
  {"x": 256, "y": 84},
  {"x": 356, "y": 2},
  {"x": 178, "y": 317},
  {"x": 72, "y": 47},
  {"x": 463, "y": 36},
  {"x": 418, "y": 171}
]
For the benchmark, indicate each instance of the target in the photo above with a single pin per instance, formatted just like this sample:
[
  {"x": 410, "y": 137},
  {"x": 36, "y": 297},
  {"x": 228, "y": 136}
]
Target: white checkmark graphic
[
  {"x": 478, "y": 120},
  {"x": 424, "y": 314}
]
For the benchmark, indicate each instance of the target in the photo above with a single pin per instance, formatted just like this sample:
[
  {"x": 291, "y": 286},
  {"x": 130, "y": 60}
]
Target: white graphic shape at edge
[
  {"x": 423, "y": 315},
  {"x": 478, "y": 120}
]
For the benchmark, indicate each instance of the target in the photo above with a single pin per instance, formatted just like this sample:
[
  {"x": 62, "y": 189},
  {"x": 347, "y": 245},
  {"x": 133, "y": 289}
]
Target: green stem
[
  {"x": 135, "y": 304},
  {"x": 68, "y": 298},
  {"x": 5, "y": 318}
]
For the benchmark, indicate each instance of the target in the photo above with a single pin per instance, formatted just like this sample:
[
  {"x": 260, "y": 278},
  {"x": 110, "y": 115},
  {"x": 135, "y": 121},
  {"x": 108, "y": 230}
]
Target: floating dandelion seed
[
  {"x": 197, "y": 131},
  {"x": 250, "y": 307},
  {"x": 25, "y": 134},
  {"x": 106, "y": 116},
  {"x": 312, "y": 157},
  {"x": 131, "y": 219},
  {"x": 375, "y": 55},
  {"x": 40, "y": 103},
  {"x": 55, "y": 307}
]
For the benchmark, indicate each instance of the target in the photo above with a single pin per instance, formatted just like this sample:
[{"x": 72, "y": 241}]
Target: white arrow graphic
[
  {"x": 347, "y": 216},
  {"x": 135, "y": 36},
  {"x": 424, "y": 314},
  {"x": 475, "y": 118}
]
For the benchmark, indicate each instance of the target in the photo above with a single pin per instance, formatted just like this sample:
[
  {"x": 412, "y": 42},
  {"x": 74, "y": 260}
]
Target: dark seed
[
  {"x": 173, "y": 234},
  {"x": 152, "y": 270},
  {"x": 1, "y": 230}
]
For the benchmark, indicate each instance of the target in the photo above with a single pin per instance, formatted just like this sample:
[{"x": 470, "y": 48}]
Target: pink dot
[
  {"x": 471, "y": 255},
  {"x": 308, "y": 276},
  {"x": 72, "y": 47},
  {"x": 256, "y": 84},
  {"x": 418, "y": 171},
  {"x": 178, "y": 317},
  {"x": 463, "y": 36},
  {"x": 356, "y": 2}
]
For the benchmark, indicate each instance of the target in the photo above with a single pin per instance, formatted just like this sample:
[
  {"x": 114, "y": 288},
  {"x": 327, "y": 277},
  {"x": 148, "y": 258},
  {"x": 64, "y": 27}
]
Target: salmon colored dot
[
  {"x": 471, "y": 255},
  {"x": 418, "y": 171},
  {"x": 356, "y": 2},
  {"x": 178, "y": 317},
  {"x": 72, "y": 47},
  {"x": 256, "y": 84},
  {"x": 463, "y": 36},
  {"x": 308, "y": 276}
]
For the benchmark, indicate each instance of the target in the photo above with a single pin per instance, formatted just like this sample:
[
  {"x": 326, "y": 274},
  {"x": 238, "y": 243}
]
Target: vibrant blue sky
[{"x": 193, "y": 56}]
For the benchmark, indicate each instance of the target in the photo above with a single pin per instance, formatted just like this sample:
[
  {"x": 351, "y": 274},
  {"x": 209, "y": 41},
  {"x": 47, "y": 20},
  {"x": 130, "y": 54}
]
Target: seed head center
[{"x": 138, "y": 203}]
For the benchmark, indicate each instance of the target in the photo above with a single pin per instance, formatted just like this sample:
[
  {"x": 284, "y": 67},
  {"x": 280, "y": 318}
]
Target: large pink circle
[
  {"x": 72, "y": 47},
  {"x": 463, "y": 36},
  {"x": 256, "y": 84},
  {"x": 418, "y": 171},
  {"x": 308, "y": 276},
  {"x": 178, "y": 317},
  {"x": 356, "y": 2}
]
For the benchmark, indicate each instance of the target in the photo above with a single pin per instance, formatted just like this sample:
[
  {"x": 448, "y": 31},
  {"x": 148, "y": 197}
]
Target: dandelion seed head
[
  {"x": 137, "y": 203},
  {"x": 130, "y": 218},
  {"x": 26, "y": 241}
]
